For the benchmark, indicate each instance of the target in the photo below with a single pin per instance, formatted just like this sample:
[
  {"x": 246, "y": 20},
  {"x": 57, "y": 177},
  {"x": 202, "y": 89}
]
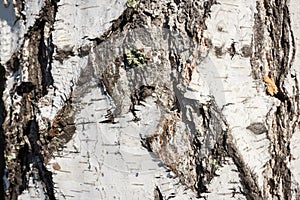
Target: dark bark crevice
[
  {"x": 45, "y": 58},
  {"x": 3, "y": 178},
  {"x": 31, "y": 154},
  {"x": 20, "y": 129},
  {"x": 272, "y": 23},
  {"x": 248, "y": 180}
]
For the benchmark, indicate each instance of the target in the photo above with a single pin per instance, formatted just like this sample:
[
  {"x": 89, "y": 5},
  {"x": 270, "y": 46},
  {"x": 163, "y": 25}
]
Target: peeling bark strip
[{"x": 274, "y": 53}]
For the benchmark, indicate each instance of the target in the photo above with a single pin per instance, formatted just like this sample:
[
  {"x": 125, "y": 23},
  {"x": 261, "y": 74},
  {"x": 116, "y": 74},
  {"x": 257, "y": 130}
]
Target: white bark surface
[{"x": 108, "y": 160}]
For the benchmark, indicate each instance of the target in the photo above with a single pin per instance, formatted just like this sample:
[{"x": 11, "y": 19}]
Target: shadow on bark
[{"x": 2, "y": 138}]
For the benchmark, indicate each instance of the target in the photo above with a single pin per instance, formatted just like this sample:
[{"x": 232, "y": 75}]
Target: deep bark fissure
[
  {"x": 45, "y": 57},
  {"x": 18, "y": 128},
  {"x": 31, "y": 154},
  {"x": 2, "y": 136},
  {"x": 275, "y": 23},
  {"x": 248, "y": 179}
]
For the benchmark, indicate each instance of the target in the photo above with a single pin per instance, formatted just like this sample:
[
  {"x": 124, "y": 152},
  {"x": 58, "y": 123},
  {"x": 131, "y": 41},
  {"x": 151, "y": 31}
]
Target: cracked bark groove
[
  {"x": 25, "y": 148},
  {"x": 272, "y": 23}
]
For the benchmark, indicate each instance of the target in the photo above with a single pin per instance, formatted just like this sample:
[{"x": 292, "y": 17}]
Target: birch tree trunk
[{"x": 149, "y": 99}]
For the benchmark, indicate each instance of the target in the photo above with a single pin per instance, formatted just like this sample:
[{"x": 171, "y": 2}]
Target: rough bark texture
[{"x": 149, "y": 99}]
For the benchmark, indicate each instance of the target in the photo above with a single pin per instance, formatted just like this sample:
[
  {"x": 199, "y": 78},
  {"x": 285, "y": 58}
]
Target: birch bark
[{"x": 149, "y": 99}]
